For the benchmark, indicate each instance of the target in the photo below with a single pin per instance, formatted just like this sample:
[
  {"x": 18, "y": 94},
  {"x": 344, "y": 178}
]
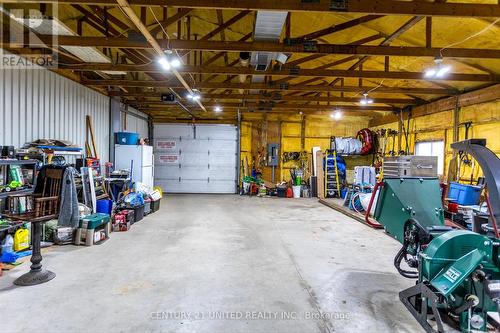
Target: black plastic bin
[
  {"x": 155, "y": 205},
  {"x": 281, "y": 191},
  {"x": 138, "y": 212}
]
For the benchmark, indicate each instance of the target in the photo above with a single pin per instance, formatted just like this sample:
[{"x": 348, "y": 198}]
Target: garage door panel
[
  {"x": 168, "y": 172},
  {"x": 194, "y": 159},
  {"x": 204, "y": 162},
  {"x": 212, "y": 132},
  {"x": 172, "y": 131},
  {"x": 221, "y": 173},
  {"x": 193, "y": 146},
  {"x": 220, "y": 187}
]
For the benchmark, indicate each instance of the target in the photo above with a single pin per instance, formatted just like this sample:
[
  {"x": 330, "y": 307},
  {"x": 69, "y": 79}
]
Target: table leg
[{"x": 36, "y": 275}]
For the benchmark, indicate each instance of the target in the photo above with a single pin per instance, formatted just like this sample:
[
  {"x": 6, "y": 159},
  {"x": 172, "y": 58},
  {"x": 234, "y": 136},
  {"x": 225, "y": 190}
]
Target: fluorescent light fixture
[{"x": 217, "y": 108}]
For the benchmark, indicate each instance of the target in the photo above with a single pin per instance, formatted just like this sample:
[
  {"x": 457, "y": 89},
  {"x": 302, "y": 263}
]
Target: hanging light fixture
[
  {"x": 337, "y": 115},
  {"x": 365, "y": 100},
  {"x": 194, "y": 96},
  {"x": 164, "y": 63},
  {"x": 438, "y": 71},
  {"x": 169, "y": 61},
  {"x": 218, "y": 108}
]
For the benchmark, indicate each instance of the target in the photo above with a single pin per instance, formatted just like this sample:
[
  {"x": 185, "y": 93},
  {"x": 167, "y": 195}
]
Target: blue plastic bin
[
  {"x": 104, "y": 206},
  {"x": 126, "y": 138},
  {"x": 464, "y": 195}
]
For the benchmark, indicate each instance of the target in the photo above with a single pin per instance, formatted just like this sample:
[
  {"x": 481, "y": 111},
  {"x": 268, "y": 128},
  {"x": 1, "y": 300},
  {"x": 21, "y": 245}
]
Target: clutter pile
[{"x": 47, "y": 199}]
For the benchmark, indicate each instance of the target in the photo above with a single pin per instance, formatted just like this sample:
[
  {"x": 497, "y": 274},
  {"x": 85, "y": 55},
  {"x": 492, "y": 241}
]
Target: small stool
[{"x": 87, "y": 227}]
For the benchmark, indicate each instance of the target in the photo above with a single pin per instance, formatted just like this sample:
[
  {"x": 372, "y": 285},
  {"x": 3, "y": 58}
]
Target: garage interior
[{"x": 250, "y": 166}]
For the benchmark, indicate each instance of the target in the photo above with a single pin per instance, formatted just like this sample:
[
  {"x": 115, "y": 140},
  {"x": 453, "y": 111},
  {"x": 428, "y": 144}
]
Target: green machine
[{"x": 457, "y": 272}]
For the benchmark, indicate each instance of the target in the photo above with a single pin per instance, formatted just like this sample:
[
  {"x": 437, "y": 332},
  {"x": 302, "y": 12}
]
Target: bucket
[
  {"x": 296, "y": 191},
  {"x": 246, "y": 188}
]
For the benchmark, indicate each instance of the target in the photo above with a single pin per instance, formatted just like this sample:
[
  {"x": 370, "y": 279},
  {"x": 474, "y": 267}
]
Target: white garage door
[{"x": 195, "y": 158}]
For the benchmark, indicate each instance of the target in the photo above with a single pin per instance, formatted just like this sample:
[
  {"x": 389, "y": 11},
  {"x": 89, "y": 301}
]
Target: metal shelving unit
[{"x": 5, "y": 166}]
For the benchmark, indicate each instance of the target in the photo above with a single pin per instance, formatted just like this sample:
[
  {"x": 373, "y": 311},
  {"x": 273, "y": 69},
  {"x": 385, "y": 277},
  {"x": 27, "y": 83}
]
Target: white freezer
[{"x": 142, "y": 157}]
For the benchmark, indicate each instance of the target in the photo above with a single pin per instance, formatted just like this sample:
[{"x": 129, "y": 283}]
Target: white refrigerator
[{"x": 142, "y": 157}]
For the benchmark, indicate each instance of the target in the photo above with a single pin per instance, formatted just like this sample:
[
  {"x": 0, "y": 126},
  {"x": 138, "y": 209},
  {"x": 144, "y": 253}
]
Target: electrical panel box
[{"x": 273, "y": 154}]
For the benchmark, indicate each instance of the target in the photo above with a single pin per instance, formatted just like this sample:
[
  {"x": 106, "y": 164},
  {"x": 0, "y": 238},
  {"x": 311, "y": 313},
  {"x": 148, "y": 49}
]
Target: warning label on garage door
[
  {"x": 166, "y": 144},
  {"x": 168, "y": 159}
]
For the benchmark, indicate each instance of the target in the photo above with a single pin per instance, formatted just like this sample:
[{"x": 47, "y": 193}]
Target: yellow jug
[{"x": 21, "y": 240}]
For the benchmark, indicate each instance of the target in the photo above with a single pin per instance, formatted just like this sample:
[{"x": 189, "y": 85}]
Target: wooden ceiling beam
[
  {"x": 270, "y": 97},
  {"x": 324, "y": 73},
  {"x": 484, "y": 95},
  {"x": 153, "y": 107},
  {"x": 231, "y": 46},
  {"x": 157, "y": 28},
  {"x": 221, "y": 54},
  {"x": 383, "y": 7},
  {"x": 340, "y": 27},
  {"x": 259, "y": 86}
]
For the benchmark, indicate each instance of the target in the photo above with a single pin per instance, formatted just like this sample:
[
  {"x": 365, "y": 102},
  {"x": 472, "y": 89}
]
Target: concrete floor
[{"x": 220, "y": 263}]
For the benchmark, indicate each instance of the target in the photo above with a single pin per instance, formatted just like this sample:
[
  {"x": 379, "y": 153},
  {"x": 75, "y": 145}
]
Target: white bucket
[{"x": 296, "y": 191}]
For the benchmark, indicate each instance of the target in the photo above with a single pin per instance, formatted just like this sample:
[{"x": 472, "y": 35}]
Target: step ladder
[{"x": 332, "y": 179}]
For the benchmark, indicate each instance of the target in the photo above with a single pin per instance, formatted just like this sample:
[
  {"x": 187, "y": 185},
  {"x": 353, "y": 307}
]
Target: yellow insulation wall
[
  {"x": 485, "y": 120},
  {"x": 316, "y": 133}
]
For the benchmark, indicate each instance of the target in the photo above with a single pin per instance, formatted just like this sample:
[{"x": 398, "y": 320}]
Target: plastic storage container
[
  {"x": 104, "y": 206},
  {"x": 129, "y": 215},
  {"x": 147, "y": 207},
  {"x": 155, "y": 205},
  {"x": 464, "y": 195},
  {"x": 138, "y": 212},
  {"x": 281, "y": 190},
  {"x": 126, "y": 138}
]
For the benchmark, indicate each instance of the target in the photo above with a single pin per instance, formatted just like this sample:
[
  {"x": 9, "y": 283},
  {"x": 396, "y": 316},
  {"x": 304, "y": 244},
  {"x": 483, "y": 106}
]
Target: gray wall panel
[{"x": 37, "y": 103}]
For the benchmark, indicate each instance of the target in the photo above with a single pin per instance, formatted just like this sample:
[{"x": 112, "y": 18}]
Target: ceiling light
[
  {"x": 194, "y": 96},
  {"x": 430, "y": 73},
  {"x": 165, "y": 64},
  {"x": 442, "y": 71},
  {"x": 365, "y": 100},
  {"x": 217, "y": 108},
  {"x": 337, "y": 115},
  {"x": 175, "y": 63},
  {"x": 438, "y": 71}
]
